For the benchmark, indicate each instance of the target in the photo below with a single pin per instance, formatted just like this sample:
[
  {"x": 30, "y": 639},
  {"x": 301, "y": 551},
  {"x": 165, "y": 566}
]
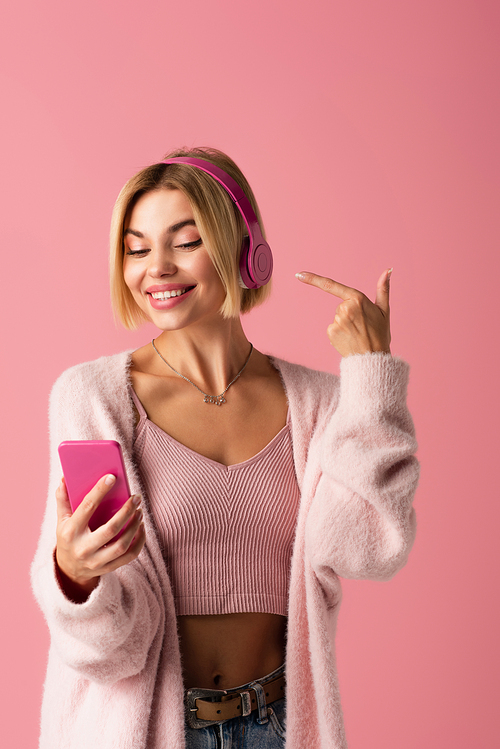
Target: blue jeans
[{"x": 264, "y": 728}]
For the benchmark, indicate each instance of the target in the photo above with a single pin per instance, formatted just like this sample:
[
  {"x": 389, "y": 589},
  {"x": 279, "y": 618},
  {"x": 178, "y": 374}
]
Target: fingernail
[
  {"x": 110, "y": 479},
  {"x": 389, "y": 274},
  {"x": 300, "y": 276},
  {"x": 136, "y": 499}
]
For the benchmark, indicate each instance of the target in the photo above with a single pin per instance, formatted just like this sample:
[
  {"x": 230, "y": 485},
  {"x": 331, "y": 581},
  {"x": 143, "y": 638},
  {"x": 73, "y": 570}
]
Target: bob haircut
[{"x": 219, "y": 222}]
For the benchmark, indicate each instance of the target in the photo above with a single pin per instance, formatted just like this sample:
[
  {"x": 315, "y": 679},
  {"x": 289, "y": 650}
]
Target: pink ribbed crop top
[{"x": 226, "y": 531}]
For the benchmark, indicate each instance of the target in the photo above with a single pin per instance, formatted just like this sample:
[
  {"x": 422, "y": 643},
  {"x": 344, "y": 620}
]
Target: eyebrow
[{"x": 171, "y": 229}]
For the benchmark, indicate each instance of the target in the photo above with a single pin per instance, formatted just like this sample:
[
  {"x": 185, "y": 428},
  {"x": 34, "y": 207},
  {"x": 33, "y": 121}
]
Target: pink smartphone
[{"x": 84, "y": 462}]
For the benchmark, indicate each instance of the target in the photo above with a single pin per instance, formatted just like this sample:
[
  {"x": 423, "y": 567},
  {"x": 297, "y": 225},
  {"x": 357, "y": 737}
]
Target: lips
[
  {"x": 162, "y": 295},
  {"x": 168, "y": 287},
  {"x": 168, "y": 295}
]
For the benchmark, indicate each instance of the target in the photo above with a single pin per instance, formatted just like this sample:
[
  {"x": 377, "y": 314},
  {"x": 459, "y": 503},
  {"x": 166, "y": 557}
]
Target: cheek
[
  {"x": 217, "y": 287},
  {"x": 130, "y": 275},
  {"x": 204, "y": 271}
]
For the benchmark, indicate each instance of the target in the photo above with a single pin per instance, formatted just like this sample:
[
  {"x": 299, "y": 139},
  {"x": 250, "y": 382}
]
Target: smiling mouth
[{"x": 163, "y": 295}]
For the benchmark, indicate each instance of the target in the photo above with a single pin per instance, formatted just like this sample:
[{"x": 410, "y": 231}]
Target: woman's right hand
[{"x": 82, "y": 555}]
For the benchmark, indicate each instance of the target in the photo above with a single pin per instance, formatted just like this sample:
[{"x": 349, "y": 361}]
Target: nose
[{"x": 161, "y": 264}]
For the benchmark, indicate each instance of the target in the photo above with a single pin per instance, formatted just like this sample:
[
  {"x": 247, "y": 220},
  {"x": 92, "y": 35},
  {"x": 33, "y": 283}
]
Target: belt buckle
[
  {"x": 190, "y": 706},
  {"x": 246, "y": 703}
]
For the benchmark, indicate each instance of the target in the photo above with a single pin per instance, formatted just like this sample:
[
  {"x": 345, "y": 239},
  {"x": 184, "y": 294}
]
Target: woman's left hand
[{"x": 360, "y": 326}]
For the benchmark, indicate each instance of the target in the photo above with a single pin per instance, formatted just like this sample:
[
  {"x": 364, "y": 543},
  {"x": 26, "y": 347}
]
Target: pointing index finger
[{"x": 326, "y": 284}]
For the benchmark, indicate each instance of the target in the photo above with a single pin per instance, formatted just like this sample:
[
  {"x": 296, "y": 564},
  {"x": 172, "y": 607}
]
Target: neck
[{"x": 209, "y": 355}]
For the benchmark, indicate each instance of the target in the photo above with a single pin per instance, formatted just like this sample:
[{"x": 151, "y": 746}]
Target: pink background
[{"x": 369, "y": 131}]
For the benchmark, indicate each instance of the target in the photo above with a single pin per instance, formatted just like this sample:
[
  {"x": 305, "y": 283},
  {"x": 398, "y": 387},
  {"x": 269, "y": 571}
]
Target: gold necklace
[{"x": 218, "y": 400}]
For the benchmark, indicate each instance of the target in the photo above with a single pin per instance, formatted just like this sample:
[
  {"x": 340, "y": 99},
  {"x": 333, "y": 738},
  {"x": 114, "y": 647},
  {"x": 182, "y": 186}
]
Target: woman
[{"x": 262, "y": 482}]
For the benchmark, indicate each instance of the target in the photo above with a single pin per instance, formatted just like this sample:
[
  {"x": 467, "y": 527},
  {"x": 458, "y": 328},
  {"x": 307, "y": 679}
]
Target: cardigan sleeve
[
  {"x": 108, "y": 637},
  {"x": 361, "y": 523}
]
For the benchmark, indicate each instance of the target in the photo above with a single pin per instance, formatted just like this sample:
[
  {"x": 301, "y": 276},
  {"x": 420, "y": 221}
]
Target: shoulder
[
  {"x": 100, "y": 379},
  {"x": 309, "y": 389},
  {"x": 297, "y": 374},
  {"x": 92, "y": 397},
  {"x": 108, "y": 371}
]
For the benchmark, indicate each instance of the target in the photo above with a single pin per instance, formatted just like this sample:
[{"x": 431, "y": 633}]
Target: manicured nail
[
  {"x": 389, "y": 273},
  {"x": 136, "y": 499},
  {"x": 300, "y": 276},
  {"x": 110, "y": 479}
]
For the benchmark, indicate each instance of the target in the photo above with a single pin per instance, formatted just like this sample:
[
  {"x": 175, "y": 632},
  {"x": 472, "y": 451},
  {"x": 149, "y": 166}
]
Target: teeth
[{"x": 162, "y": 295}]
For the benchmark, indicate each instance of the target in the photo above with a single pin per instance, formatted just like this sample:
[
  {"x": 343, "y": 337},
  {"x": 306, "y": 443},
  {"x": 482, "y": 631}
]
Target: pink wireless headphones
[{"x": 256, "y": 260}]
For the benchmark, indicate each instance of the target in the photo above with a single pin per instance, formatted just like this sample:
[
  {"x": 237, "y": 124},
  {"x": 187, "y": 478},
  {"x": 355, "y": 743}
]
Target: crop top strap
[{"x": 140, "y": 408}]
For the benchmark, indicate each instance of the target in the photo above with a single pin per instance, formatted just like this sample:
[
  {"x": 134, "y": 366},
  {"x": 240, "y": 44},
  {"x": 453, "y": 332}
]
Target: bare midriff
[{"x": 228, "y": 650}]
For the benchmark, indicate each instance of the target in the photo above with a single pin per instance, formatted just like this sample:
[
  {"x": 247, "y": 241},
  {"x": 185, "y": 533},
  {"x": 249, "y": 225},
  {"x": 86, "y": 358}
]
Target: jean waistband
[{"x": 237, "y": 700}]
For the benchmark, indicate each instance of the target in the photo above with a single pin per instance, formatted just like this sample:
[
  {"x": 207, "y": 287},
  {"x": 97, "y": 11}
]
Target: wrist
[
  {"x": 76, "y": 591},
  {"x": 367, "y": 351}
]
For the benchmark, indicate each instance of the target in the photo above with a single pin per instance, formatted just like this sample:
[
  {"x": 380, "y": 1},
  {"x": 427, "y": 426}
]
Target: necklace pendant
[{"x": 217, "y": 400}]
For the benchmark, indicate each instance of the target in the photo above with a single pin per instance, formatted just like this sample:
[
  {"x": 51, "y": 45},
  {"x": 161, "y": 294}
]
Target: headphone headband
[{"x": 256, "y": 260}]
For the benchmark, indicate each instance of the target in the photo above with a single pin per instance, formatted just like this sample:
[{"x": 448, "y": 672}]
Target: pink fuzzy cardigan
[{"x": 114, "y": 672}]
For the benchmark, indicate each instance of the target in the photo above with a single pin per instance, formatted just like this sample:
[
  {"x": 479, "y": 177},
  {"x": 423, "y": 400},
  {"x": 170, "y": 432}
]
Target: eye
[
  {"x": 128, "y": 251},
  {"x": 189, "y": 245}
]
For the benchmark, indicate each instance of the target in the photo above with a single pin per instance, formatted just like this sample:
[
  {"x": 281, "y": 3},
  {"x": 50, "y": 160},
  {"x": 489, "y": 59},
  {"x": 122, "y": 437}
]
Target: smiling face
[{"x": 165, "y": 264}]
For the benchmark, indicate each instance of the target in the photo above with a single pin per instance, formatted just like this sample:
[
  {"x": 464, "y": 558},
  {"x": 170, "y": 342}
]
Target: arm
[
  {"x": 108, "y": 635},
  {"x": 361, "y": 522}
]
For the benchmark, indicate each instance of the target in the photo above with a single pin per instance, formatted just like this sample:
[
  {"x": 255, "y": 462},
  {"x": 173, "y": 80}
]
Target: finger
[
  {"x": 63, "y": 504},
  {"x": 106, "y": 533},
  {"x": 93, "y": 499},
  {"x": 383, "y": 287},
  {"x": 326, "y": 284},
  {"x": 133, "y": 551},
  {"x": 119, "y": 546}
]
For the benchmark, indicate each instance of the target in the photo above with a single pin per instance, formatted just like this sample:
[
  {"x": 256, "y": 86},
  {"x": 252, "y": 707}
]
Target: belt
[{"x": 232, "y": 703}]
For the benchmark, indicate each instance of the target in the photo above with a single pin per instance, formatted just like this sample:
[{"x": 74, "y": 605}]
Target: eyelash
[{"x": 187, "y": 246}]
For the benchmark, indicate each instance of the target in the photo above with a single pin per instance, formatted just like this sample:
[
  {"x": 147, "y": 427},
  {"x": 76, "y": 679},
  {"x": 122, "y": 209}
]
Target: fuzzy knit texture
[
  {"x": 114, "y": 675},
  {"x": 217, "y": 523}
]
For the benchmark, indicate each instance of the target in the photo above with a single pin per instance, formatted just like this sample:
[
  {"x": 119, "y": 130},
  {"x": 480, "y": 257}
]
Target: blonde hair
[{"x": 219, "y": 222}]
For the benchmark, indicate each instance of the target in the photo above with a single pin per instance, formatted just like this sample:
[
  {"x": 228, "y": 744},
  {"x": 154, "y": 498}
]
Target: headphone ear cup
[
  {"x": 245, "y": 280},
  {"x": 261, "y": 264},
  {"x": 255, "y": 268}
]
